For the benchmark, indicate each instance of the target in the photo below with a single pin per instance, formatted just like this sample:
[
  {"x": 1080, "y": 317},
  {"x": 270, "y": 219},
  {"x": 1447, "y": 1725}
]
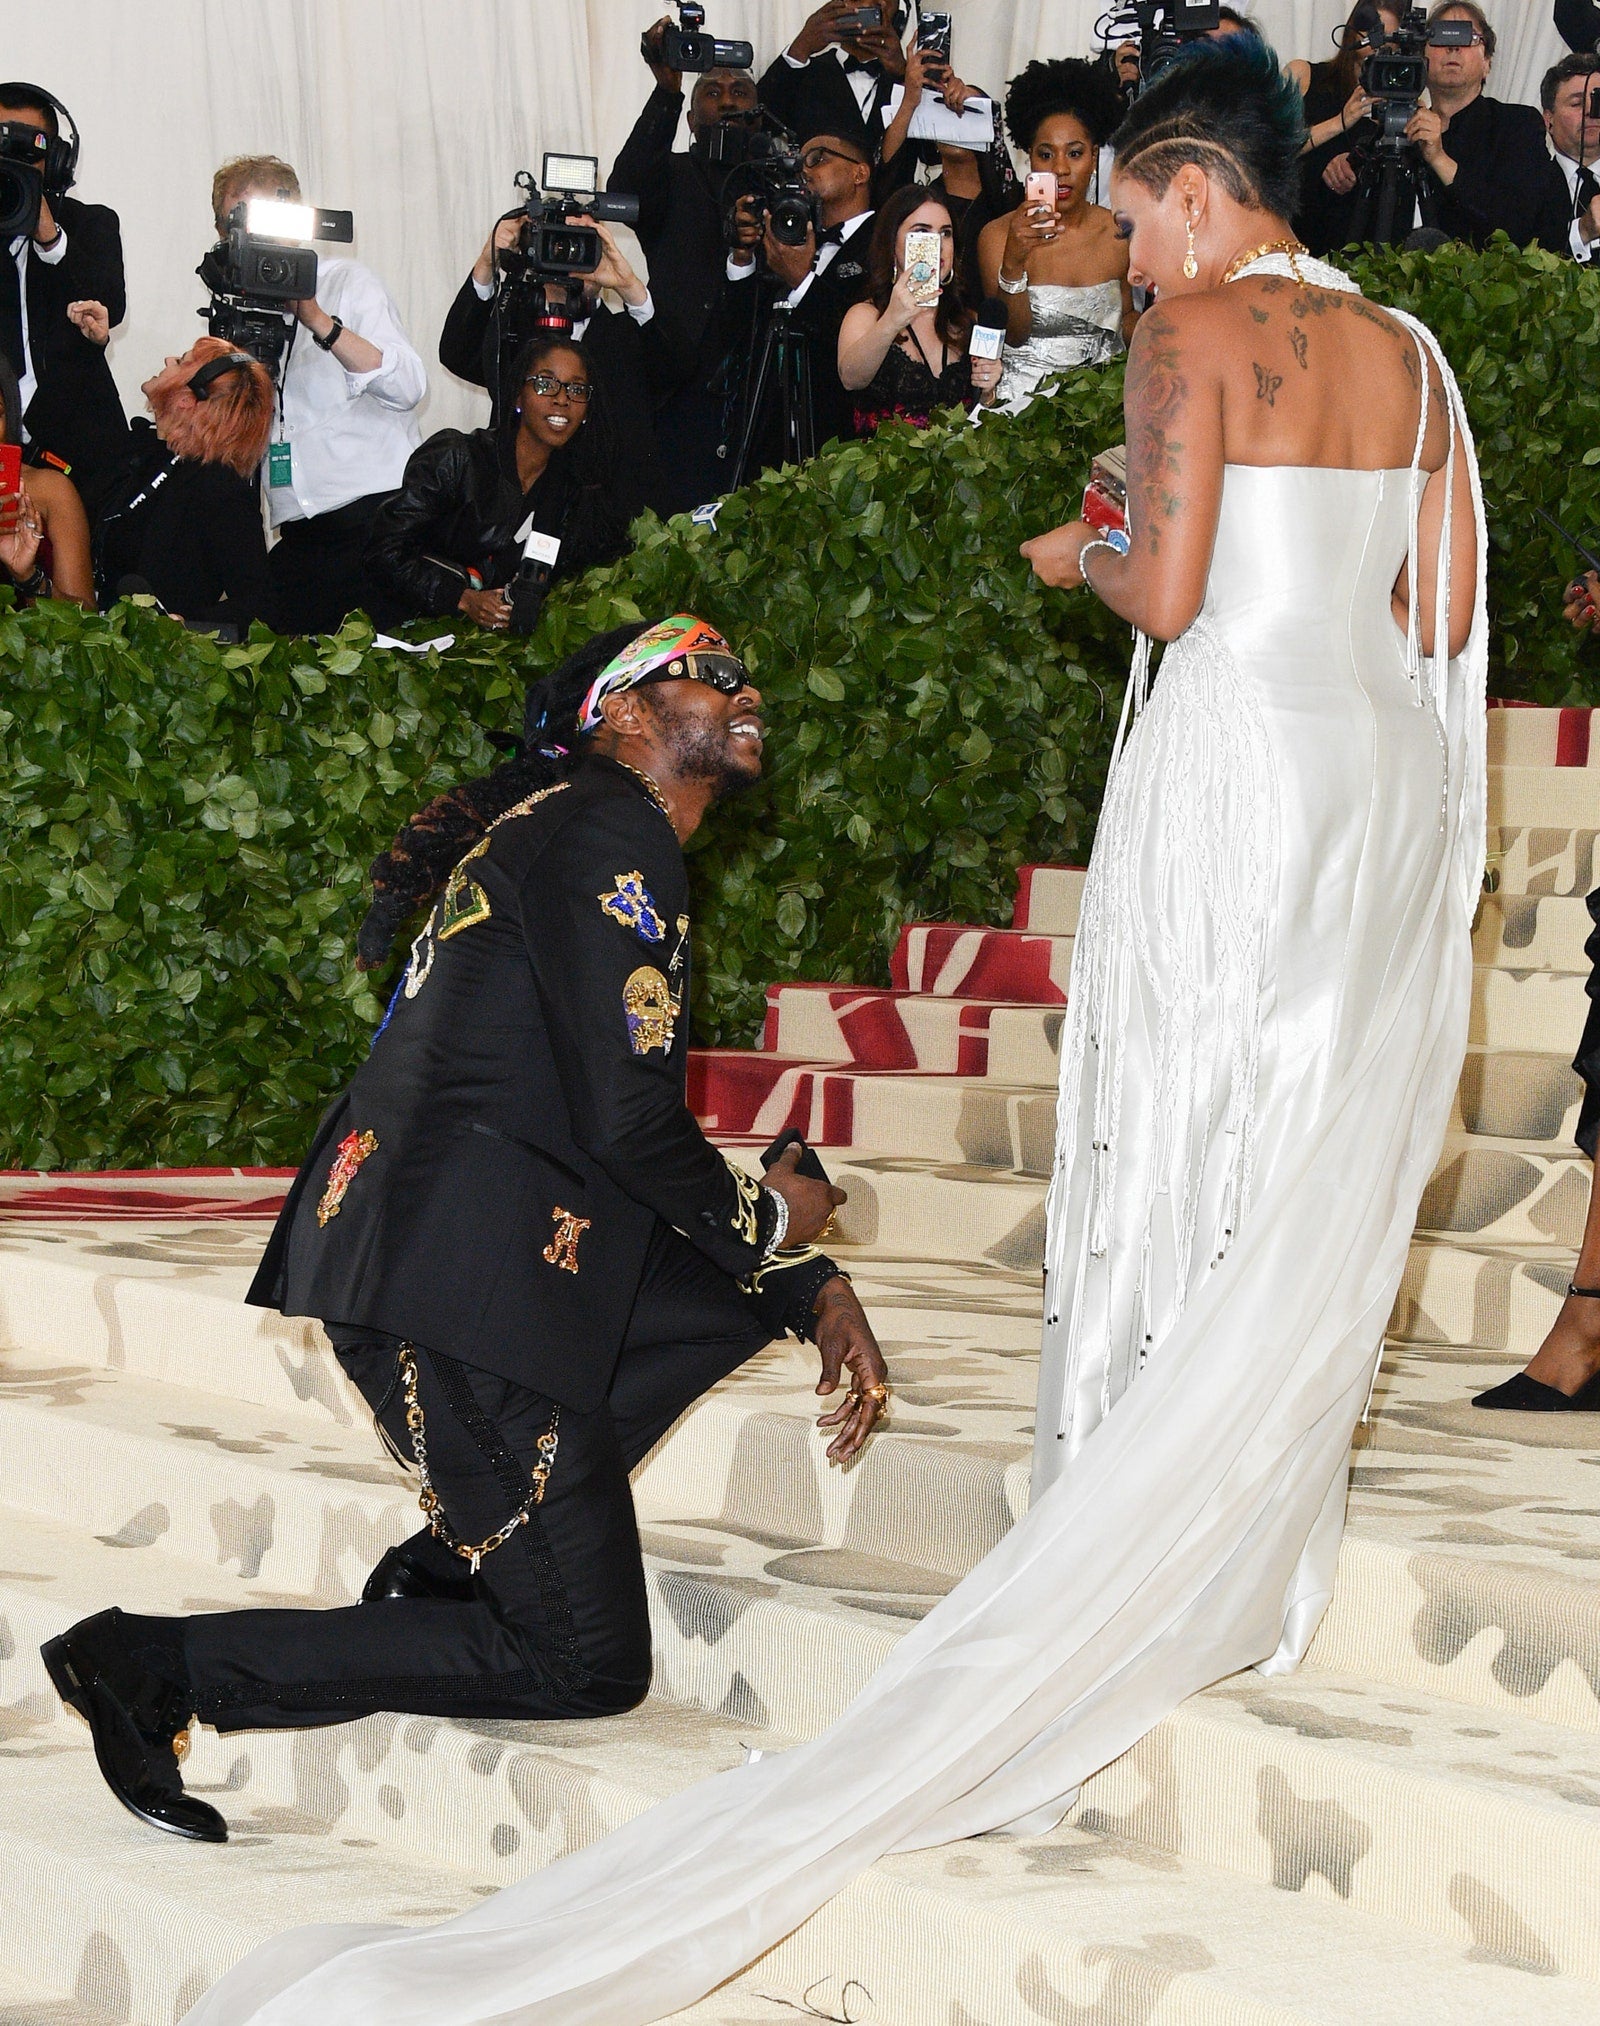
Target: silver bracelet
[
  {"x": 1106, "y": 541},
  {"x": 1013, "y": 287},
  {"x": 780, "y": 1230}
]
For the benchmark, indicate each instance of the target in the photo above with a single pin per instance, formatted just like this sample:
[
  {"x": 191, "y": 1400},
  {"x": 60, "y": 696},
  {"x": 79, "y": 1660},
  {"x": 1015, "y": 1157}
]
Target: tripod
[
  {"x": 1393, "y": 187},
  {"x": 779, "y": 361}
]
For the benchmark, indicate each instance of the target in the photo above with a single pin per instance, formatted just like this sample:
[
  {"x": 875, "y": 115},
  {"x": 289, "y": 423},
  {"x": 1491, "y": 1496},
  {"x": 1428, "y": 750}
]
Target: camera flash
[{"x": 273, "y": 219}]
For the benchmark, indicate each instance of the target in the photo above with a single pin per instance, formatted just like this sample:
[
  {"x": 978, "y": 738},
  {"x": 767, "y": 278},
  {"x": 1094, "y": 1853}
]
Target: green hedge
[{"x": 184, "y": 828}]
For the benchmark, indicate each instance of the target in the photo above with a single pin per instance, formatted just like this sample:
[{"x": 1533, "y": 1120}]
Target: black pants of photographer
[
  {"x": 317, "y": 572},
  {"x": 563, "y": 1630}
]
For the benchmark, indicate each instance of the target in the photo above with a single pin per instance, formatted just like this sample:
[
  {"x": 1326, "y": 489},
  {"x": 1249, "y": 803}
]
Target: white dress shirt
[
  {"x": 349, "y": 434},
  {"x": 27, "y": 378},
  {"x": 863, "y": 83},
  {"x": 1581, "y": 250}
]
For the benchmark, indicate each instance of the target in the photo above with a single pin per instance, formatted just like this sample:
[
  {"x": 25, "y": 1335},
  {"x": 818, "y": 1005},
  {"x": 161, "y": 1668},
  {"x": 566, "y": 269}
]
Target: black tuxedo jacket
[
  {"x": 816, "y": 98},
  {"x": 680, "y": 227},
  {"x": 1579, "y": 23},
  {"x": 75, "y": 412},
  {"x": 488, "y": 1183},
  {"x": 634, "y": 364},
  {"x": 1505, "y": 180}
]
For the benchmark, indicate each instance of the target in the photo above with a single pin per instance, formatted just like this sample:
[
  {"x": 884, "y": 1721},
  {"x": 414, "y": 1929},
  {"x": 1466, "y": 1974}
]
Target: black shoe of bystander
[
  {"x": 136, "y": 1718},
  {"x": 1521, "y": 1395}
]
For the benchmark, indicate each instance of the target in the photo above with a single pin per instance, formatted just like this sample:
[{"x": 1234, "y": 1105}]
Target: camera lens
[
  {"x": 20, "y": 192},
  {"x": 274, "y": 270}
]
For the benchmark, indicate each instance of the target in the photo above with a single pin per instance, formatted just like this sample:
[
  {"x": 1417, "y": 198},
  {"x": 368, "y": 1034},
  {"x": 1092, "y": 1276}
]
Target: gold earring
[{"x": 1191, "y": 266}]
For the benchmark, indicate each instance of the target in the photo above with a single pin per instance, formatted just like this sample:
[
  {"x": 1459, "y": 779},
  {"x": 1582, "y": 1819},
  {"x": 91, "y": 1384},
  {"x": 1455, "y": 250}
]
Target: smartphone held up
[{"x": 924, "y": 266}]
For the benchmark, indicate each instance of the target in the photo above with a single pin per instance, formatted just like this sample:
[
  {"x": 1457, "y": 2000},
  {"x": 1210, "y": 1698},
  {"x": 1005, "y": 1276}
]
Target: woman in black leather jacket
[{"x": 455, "y": 535}]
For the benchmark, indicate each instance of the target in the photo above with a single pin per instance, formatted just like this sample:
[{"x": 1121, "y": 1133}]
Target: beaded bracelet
[{"x": 1115, "y": 539}]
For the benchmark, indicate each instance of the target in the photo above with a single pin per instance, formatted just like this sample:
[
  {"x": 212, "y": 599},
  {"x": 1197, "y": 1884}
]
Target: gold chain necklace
[
  {"x": 1241, "y": 261},
  {"x": 650, "y": 789}
]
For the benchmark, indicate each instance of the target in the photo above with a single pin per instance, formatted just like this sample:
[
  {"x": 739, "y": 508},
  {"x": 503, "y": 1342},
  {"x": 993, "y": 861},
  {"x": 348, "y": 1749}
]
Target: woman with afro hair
[{"x": 1060, "y": 265}]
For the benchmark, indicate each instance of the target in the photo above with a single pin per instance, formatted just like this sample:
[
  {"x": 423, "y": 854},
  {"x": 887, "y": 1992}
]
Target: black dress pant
[
  {"x": 317, "y": 571},
  {"x": 561, "y": 1627}
]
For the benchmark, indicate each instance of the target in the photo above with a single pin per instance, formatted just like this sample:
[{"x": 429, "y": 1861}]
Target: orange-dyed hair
[{"x": 231, "y": 427}]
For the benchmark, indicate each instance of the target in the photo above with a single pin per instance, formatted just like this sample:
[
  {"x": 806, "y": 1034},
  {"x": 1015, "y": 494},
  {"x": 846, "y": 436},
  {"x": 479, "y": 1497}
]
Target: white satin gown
[{"x": 1267, "y": 1018}]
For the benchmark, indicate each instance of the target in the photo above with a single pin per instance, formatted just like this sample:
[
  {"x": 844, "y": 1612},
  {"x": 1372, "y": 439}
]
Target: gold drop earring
[{"x": 1191, "y": 266}]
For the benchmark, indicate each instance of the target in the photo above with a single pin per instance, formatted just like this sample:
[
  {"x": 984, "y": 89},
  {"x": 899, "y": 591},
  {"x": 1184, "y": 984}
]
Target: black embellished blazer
[{"x": 488, "y": 1183}]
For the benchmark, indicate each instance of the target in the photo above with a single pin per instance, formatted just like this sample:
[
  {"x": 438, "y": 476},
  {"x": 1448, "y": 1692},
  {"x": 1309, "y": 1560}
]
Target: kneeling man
[{"x": 526, "y": 1253}]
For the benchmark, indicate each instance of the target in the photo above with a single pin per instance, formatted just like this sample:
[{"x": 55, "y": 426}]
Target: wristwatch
[{"x": 330, "y": 336}]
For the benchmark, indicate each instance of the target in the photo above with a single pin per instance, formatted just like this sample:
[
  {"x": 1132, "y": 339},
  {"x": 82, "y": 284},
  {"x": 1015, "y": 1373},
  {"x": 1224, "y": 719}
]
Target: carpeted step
[
  {"x": 1472, "y": 1291},
  {"x": 1541, "y": 860},
  {"x": 1518, "y": 1094},
  {"x": 1421, "y": 1812},
  {"x": 952, "y": 960},
  {"x": 1512, "y": 1191},
  {"x": 24, "y": 2002},
  {"x": 1049, "y": 898},
  {"x": 1525, "y": 932},
  {"x": 1544, "y": 797},
  {"x": 881, "y": 1030},
  {"x": 1537, "y": 736},
  {"x": 1528, "y": 1009}
]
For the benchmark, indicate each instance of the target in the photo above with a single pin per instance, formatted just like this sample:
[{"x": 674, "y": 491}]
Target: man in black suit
[
  {"x": 1573, "y": 196},
  {"x": 814, "y": 283},
  {"x": 1488, "y": 160},
  {"x": 69, "y": 272},
  {"x": 528, "y": 1256},
  {"x": 834, "y": 79},
  {"x": 681, "y": 230},
  {"x": 638, "y": 354}
]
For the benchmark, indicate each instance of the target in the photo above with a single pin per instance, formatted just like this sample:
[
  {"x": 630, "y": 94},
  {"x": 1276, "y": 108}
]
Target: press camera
[
  {"x": 1159, "y": 27},
  {"x": 260, "y": 267},
  {"x": 23, "y": 151},
  {"x": 552, "y": 245},
  {"x": 1395, "y": 74},
  {"x": 763, "y": 162},
  {"x": 687, "y": 46}
]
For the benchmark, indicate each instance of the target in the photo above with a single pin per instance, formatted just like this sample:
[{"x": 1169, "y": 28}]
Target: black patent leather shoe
[
  {"x": 1522, "y": 1395},
  {"x": 401, "y": 1574},
  {"x": 136, "y": 1719}
]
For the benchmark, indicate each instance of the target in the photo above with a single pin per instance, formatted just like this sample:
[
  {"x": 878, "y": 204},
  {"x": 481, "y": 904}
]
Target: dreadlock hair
[
  {"x": 1227, "y": 107},
  {"x": 428, "y": 849},
  {"x": 1064, "y": 84}
]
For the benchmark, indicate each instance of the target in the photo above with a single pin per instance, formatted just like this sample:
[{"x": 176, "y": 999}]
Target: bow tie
[
  {"x": 832, "y": 236},
  {"x": 854, "y": 63}
]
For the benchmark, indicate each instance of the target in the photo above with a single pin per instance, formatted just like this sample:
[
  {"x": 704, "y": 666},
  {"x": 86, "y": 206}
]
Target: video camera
[
  {"x": 688, "y": 47},
  {"x": 262, "y": 265},
  {"x": 23, "y": 155},
  {"x": 551, "y": 244},
  {"x": 1159, "y": 27},
  {"x": 1395, "y": 75},
  {"x": 763, "y": 160}
]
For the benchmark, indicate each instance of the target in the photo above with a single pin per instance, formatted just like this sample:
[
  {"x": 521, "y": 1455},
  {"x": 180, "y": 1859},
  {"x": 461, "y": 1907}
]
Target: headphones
[
  {"x": 60, "y": 167},
  {"x": 206, "y": 377}
]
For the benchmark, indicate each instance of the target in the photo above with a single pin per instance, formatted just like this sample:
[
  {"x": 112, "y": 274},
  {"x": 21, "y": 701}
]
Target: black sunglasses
[{"x": 724, "y": 672}]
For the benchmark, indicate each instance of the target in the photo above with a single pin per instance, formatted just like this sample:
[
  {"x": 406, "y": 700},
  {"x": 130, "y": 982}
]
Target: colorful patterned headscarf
[{"x": 682, "y": 646}]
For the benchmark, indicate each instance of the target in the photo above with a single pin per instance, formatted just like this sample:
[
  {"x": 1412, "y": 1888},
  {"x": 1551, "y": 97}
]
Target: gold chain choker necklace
[
  {"x": 649, "y": 788},
  {"x": 1291, "y": 247}
]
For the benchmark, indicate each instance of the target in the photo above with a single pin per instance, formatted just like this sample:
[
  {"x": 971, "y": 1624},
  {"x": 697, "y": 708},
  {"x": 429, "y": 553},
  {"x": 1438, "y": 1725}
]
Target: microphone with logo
[{"x": 985, "y": 348}]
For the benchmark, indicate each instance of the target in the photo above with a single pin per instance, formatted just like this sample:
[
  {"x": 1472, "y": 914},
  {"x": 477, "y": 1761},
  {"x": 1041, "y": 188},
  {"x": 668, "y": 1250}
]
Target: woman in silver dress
[{"x": 1061, "y": 267}]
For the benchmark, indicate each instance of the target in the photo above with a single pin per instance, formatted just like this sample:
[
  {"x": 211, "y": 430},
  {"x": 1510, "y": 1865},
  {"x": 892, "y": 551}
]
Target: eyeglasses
[
  {"x": 549, "y": 386},
  {"x": 724, "y": 672},
  {"x": 813, "y": 158}
]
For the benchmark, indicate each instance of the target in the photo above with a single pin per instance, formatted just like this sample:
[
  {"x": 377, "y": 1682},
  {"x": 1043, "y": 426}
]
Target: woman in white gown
[{"x": 1267, "y": 1017}]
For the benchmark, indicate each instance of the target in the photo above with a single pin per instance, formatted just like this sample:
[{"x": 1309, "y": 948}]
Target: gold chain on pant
[{"x": 428, "y": 1498}]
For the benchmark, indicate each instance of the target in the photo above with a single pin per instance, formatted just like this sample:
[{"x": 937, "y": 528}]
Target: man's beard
[{"x": 700, "y": 752}]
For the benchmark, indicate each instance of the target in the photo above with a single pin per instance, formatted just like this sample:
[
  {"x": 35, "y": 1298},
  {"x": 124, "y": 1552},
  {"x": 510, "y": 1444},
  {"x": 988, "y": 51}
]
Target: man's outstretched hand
[{"x": 844, "y": 1338}]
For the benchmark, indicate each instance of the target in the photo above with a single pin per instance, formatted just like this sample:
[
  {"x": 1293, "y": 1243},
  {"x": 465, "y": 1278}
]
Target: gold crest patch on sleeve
[
  {"x": 464, "y": 903},
  {"x": 354, "y": 1148},
  {"x": 651, "y": 1009}
]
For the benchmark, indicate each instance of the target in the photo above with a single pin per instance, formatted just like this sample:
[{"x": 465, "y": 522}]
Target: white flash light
[{"x": 271, "y": 218}]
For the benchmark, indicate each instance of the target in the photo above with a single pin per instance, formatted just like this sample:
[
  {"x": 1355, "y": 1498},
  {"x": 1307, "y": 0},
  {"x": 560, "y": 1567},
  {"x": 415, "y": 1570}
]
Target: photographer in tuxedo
[
  {"x": 529, "y": 1258},
  {"x": 680, "y": 229},
  {"x": 61, "y": 294},
  {"x": 814, "y": 283},
  {"x": 837, "y": 75},
  {"x": 1573, "y": 187}
]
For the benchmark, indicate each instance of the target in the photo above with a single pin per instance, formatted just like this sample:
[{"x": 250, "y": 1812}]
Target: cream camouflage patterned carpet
[{"x": 1406, "y": 1831}]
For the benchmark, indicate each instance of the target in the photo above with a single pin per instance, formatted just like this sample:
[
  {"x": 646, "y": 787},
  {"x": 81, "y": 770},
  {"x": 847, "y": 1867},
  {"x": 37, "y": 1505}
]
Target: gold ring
[
  {"x": 879, "y": 1395},
  {"x": 827, "y": 1229}
]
